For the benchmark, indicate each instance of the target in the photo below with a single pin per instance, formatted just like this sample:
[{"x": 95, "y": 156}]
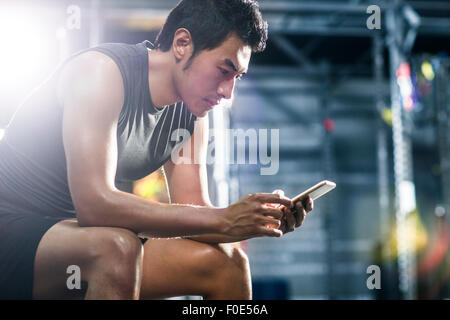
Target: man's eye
[{"x": 223, "y": 71}]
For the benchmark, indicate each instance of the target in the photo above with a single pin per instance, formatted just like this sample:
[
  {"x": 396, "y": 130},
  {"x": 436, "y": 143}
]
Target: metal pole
[
  {"x": 382, "y": 149},
  {"x": 441, "y": 95},
  {"x": 329, "y": 174},
  {"x": 443, "y": 118},
  {"x": 404, "y": 187},
  {"x": 382, "y": 157}
]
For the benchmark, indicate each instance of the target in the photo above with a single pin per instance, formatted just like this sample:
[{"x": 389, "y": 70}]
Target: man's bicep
[
  {"x": 188, "y": 182},
  {"x": 91, "y": 92}
]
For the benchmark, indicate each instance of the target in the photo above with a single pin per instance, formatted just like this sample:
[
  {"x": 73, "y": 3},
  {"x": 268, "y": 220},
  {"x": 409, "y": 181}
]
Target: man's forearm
[
  {"x": 150, "y": 218},
  {"x": 213, "y": 237}
]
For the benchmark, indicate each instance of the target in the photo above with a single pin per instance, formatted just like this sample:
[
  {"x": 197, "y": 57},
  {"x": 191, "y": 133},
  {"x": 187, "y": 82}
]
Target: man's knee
[
  {"x": 227, "y": 261},
  {"x": 235, "y": 255},
  {"x": 229, "y": 272},
  {"x": 240, "y": 258},
  {"x": 118, "y": 254},
  {"x": 122, "y": 243}
]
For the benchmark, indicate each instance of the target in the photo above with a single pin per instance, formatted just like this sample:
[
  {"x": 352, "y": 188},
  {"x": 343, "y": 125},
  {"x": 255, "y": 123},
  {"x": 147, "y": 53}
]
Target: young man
[{"x": 106, "y": 115}]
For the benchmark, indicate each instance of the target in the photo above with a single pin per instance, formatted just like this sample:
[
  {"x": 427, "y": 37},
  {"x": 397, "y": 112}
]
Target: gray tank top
[{"x": 33, "y": 172}]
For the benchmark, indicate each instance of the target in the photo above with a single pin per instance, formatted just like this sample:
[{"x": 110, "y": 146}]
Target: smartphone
[{"x": 316, "y": 191}]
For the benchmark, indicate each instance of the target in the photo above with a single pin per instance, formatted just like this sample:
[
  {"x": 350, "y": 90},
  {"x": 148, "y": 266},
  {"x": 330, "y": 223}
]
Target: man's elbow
[
  {"x": 92, "y": 209},
  {"x": 86, "y": 219}
]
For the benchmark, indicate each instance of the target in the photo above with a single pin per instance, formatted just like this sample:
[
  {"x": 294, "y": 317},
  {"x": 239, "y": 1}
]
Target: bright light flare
[
  {"x": 427, "y": 70},
  {"x": 24, "y": 46}
]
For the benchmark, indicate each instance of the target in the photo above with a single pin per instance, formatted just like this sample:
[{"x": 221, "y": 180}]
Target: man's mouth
[{"x": 210, "y": 104}]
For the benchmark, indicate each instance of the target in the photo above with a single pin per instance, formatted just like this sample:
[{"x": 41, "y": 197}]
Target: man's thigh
[
  {"x": 67, "y": 244},
  {"x": 178, "y": 267}
]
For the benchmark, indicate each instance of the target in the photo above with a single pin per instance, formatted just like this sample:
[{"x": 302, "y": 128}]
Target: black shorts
[
  {"x": 20, "y": 235},
  {"x": 19, "y": 238}
]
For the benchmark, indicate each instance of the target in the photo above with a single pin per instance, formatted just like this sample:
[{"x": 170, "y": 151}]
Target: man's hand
[
  {"x": 253, "y": 216},
  {"x": 294, "y": 216}
]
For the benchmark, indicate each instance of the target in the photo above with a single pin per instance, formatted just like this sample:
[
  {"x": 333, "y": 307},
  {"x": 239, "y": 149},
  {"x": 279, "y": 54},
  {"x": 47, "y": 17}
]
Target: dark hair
[{"x": 211, "y": 21}]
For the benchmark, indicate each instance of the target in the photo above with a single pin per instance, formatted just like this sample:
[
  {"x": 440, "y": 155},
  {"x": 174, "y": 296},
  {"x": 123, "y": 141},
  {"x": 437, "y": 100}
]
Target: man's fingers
[
  {"x": 274, "y": 223},
  {"x": 276, "y": 213},
  {"x": 301, "y": 206},
  {"x": 273, "y": 205},
  {"x": 271, "y": 198},
  {"x": 279, "y": 191},
  {"x": 281, "y": 194},
  {"x": 290, "y": 220},
  {"x": 308, "y": 204},
  {"x": 270, "y": 232},
  {"x": 277, "y": 206},
  {"x": 299, "y": 217},
  {"x": 300, "y": 214}
]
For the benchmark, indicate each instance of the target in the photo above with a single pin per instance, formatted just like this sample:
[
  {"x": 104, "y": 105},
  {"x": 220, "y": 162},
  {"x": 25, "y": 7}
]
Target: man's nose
[{"x": 226, "y": 88}]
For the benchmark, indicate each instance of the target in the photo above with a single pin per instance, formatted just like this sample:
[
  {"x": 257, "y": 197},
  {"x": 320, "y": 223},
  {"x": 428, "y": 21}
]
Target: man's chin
[
  {"x": 202, "y": 114},
  {"x": 199, "y": 111}
]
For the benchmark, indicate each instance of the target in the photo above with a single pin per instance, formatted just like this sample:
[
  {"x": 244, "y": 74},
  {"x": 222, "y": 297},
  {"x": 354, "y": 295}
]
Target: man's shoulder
[{"x": 90, "y": 73}]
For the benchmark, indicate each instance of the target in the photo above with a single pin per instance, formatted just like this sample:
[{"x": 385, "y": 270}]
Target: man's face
[{"x": 212, "y": 75}]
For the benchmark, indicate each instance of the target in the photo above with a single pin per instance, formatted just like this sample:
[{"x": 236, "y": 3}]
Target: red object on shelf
[
  {"x": 329, "y": 124},
  {"x": 404, "y": 70}
]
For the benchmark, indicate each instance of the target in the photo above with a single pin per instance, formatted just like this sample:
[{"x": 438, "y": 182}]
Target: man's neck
[{"x": 160, "y": 79}]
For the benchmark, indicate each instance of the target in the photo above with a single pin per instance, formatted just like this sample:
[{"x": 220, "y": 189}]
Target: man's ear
[{"x": 182, "y": 45}]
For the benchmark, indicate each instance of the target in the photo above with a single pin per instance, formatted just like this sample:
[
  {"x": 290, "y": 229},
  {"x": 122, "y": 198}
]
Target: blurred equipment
[{"x": 401, "y": 103}]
